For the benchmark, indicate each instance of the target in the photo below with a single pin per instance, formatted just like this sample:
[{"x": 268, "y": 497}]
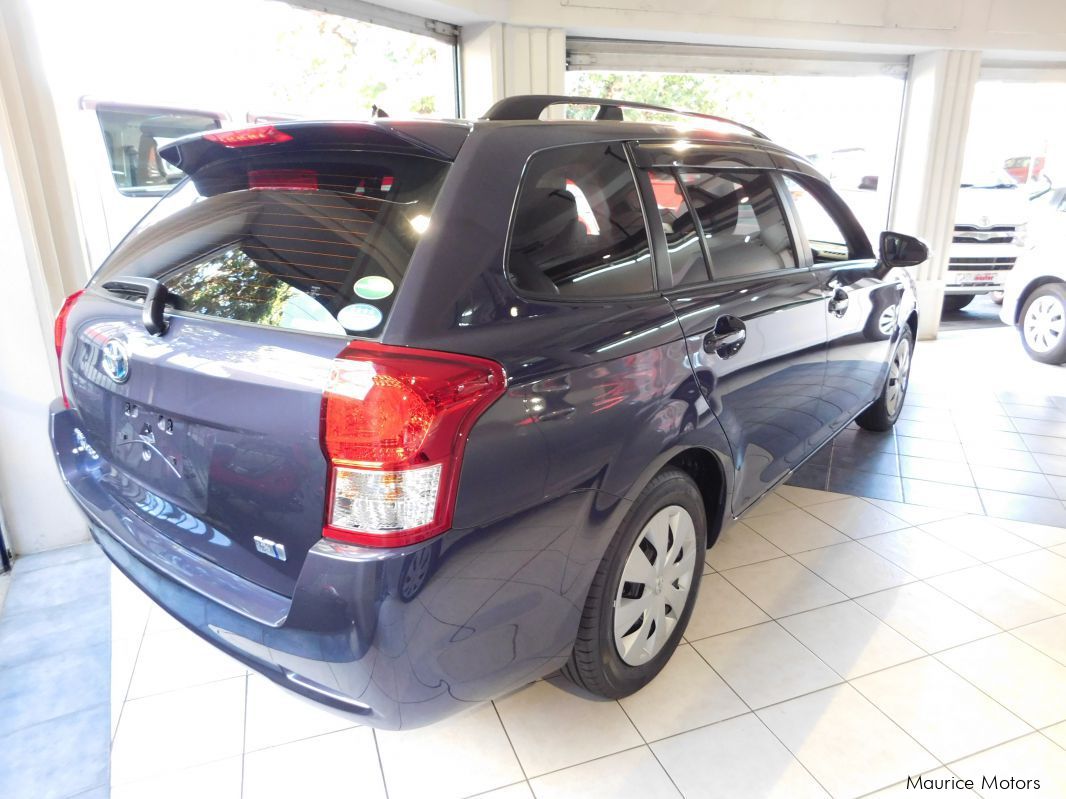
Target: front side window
[
  {"x": 825, "y": 235},
  {"x": 133, "y": 138},
  {"x": 743, "y": 224},
  {"x": 687, "y": 264},
  {"x": 579, "y": 229}
]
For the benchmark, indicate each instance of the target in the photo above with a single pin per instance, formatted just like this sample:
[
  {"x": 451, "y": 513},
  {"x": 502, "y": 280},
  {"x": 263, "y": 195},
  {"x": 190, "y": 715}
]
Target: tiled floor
[
  {"x": 839, "y": 646},
  {"x": 967, "y": 439},
  {"x": 54, "y": 673}
]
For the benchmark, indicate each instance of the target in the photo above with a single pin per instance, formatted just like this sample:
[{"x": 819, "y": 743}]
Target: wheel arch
[
  {"x": 708, "y": 473},
  {"x": 1027, "y": 292}
]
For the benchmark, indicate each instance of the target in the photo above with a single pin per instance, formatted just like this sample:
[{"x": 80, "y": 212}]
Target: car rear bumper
[{"x": 398, "y": 638}]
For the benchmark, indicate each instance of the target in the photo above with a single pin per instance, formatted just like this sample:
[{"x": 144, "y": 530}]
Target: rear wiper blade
[{"x": 155, "y": 299}]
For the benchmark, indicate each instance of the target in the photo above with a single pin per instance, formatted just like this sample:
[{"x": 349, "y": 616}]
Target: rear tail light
[
  {"x": 249, "y": 137},
  {"x": 394, "y": 425},
  {"x": 61, "y": 335}
]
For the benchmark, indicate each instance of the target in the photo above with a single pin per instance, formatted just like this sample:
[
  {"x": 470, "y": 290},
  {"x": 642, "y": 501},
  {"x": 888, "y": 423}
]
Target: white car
[{"x": 1034, "y": 297}]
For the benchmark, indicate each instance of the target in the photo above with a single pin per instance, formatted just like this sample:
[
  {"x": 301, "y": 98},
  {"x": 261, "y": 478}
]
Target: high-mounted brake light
[
  {"x": 248, "y": 137},
  {"x": 394, "y": 426},
  {"x": 283, "y": 179},
  {"x": 60, "y": 337}
]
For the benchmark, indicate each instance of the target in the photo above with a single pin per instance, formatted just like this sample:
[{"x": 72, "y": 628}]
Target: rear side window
[
  {"x": 687, "y": 264},
  {"x": 133, "y": 136},
  {"x": 579, "y": 229},
  {"x": 318, "y": 243},
  {"x": 743, "y": 223}
]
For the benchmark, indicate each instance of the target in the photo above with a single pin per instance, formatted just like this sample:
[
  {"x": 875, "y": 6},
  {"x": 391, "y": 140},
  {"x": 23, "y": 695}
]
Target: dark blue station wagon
[{"x": 404, "y": 415}]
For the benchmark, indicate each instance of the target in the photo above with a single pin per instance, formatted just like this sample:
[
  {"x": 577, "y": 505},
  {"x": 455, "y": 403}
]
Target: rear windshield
[{"x": 319, "y": 244}]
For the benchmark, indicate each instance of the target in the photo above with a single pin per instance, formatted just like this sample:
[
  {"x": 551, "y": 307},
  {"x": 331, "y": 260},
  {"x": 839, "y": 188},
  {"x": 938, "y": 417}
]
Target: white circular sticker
[
  {"x": 359, "y": 316},
  {"x": 373, "y": 287}
]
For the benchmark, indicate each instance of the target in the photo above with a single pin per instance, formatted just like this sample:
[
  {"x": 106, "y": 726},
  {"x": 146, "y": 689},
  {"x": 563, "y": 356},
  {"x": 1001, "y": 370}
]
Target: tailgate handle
[{"x": 155, "y": 300}]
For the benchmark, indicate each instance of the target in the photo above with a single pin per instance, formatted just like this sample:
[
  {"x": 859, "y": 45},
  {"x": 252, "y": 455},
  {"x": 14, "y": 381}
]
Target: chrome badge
[
  {"x": 270, "y": 548},
  {"x": 116, "y": 361}
]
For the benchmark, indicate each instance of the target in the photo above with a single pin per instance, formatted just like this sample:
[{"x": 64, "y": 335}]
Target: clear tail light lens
[
  {"x": 60, "y": 337},
  {"x": 394, "y": 425}
]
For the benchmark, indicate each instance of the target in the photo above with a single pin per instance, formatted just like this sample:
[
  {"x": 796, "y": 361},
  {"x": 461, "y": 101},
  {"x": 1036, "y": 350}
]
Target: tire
[
  {"x": 996, "y": 297},
  {"x": 956, "y": 302},
  {"x": 614, "y": 666},
  {"x": 1042, "y": 324},
  {"x": 880, "y": 416}
]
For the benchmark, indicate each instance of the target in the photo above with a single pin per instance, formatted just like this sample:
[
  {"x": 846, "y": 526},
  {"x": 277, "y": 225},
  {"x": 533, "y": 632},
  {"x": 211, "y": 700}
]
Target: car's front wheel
[
  {"x": 880, "y": 416},
  {"x": 1043, "y": 324},
  {"x": 642, "y": 595}
]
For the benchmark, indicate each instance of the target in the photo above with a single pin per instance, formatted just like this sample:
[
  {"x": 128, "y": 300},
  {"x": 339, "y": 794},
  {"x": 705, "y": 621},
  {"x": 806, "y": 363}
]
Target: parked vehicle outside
[
  {"x": 1034, "y": 299},
  {"x": 406, "y": 414},
  {"x": 991, "y": 231}
]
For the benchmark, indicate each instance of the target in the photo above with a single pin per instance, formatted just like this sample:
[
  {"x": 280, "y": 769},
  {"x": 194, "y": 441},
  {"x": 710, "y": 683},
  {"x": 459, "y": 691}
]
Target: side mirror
[{"x": 899, "y": 249}]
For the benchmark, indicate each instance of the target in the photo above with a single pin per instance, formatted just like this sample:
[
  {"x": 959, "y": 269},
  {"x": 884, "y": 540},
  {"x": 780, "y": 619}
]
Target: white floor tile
[
  {"x": 1033, "y": 757},
  {"x": 160, "y": 621},
  {"x": 460, "y": 756},
  {"x": 856, "y": 517},
  {"x": 634, "y": 773},
  {"x": 130, "y": 607},
  {"x": 520, "y": 790},
  {"x": 552, "y": 726},
  {"x": 218, "y": 780},
  {"x": 805, "y": 497},
  {"x": 1048, "y": 636},
  {"x": 720, "y": 607},
  {"x": 851, "y": 640},
  {"x": 686, "y": 694},
  {"x": 914, "y": 514},
  {"x": 945, "y": 784},
  {"x": 927, "y": 617},
  {"x": 1026, "y": 682},
  {"x": 172, "y": 731},
  {"x": 1041, "y": 570},
  {"x": 770, "y": 503},
  {"x": 999, "y": 598},
  {"x": 783, "y": 586},
  {"x": 979, "y": 537},
  {"x": 276, "y": 716},
  {"x": 939, "y": 709},
  {"x": 765, "y": 664},
  {"x": 795, "y": 530},
  {"x": 123, "y": 659},
  {"x": 1057, "y": 733},
  {"x": 918, "y": 552},
  {"x": 732, "y": 759},
  {"x": 179, "y": 659},
  {"x": 853, "y": 569},
  {"x": 1041, "y": 534},
  {"x": 847, "y": 744},
  {"x": 342, "y": 763},
  {"x": 739, "y": 545}
]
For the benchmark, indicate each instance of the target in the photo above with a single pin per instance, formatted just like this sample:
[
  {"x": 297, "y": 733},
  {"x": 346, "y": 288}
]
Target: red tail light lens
[
  {"x": 394, "y": 425},
  {"x": 60, "y": 337},
  {"x": 249, "y": 137}
]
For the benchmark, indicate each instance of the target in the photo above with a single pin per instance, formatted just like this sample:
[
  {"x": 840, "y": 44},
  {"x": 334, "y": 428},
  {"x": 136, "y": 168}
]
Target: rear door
[
  {"x": 754, "y": 323},
  {"x": 271, "y": 261}
]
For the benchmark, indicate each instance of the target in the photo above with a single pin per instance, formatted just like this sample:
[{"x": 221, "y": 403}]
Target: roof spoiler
[{"x": 432, "y": 139}]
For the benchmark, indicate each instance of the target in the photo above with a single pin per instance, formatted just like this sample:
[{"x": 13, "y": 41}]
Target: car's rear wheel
[
  {"x": 642, "y": 595},
  {"x": 956, "y": 302},
  {"x": 1043, "y": 324},
  {"x": 880, "y": 416}
]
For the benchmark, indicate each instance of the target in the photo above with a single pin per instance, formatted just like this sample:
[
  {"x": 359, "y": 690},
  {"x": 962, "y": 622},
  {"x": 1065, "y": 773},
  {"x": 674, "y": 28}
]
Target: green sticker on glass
[{"x": 373, "y": 287}]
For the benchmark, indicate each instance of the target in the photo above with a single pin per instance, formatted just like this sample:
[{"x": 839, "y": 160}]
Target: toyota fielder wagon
[{"x": 406, "y": 414}]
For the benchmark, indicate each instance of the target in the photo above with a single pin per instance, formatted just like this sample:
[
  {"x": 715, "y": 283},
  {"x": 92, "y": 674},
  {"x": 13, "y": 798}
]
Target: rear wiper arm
[{"x": 155, "y": 299}]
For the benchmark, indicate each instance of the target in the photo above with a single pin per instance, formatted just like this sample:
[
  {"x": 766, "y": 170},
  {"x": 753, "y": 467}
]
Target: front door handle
[
  {"x": 838, "y": 303},
  {"x": 727, "y": 338}
]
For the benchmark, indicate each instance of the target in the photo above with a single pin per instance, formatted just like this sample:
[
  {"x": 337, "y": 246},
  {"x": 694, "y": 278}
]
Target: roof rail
[{"x": 531, "y": 106}]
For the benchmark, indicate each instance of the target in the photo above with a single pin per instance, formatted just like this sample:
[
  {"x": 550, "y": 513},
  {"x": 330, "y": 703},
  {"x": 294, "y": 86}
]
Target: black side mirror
[{"x": 899, "y": 249}]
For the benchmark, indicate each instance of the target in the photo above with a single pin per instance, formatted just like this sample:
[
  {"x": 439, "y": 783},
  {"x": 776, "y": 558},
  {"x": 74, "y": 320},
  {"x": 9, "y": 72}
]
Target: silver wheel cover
[
  {"x": 899, "y": 372},
  {"x": 655, "y": 585},
  {"x": 1045, "y": 320}
]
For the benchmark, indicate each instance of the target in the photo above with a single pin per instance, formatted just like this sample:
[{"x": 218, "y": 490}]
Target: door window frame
[{"x": 837, "y": 210}]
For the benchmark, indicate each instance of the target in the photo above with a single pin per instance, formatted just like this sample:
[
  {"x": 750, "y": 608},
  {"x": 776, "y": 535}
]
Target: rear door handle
[
  {"x": 838, "y": 303},
  {"x": 727, "y": 338}
]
